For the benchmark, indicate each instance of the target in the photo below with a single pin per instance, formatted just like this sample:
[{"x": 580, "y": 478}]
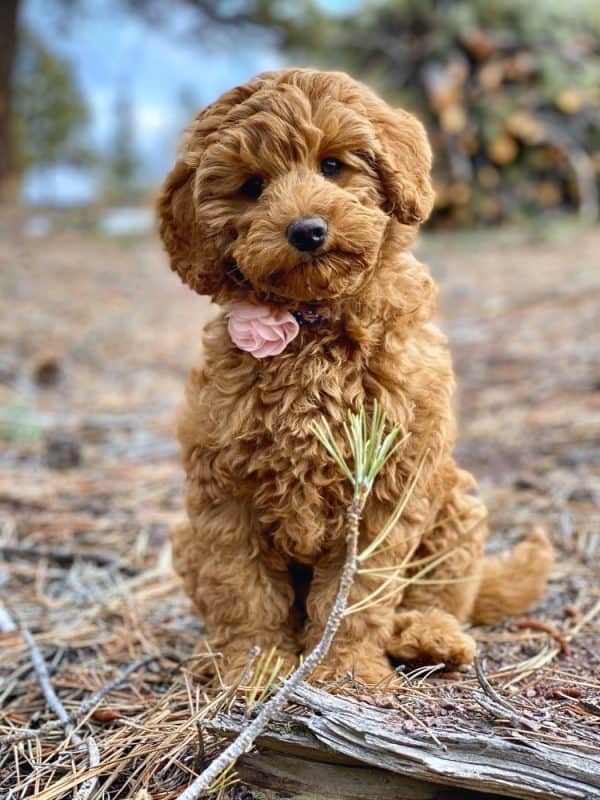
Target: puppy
[{"x": 294, "y": 204}]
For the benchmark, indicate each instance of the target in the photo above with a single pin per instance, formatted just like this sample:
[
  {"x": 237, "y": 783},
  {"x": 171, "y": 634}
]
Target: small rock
[
  {"x": 448, "y": 705},
  {"x": 47, "y": 371},
  {"x": 581, "y": 494},
  {"x": 384, "y": 700},
  {"x": 528, "y": 482},
  {"x": 365, "y": 698},
  {"x": 63, "y": 450},
  {"x": 529, "y": 650}
]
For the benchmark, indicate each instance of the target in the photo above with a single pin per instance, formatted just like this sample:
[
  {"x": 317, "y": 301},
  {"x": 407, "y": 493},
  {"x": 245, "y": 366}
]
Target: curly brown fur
[{"x": 262, "y": 549}]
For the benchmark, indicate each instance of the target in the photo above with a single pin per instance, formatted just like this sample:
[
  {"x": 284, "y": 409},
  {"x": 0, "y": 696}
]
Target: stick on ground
[
  {"x": 86, "y": 706},
  {"x": 43, "y": 678}
]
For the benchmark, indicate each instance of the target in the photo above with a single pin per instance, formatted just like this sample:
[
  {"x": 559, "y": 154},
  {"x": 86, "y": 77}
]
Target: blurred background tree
[
  {"x": 122, "y": 168},
  {"x": 8, "y": 51},
  {"x": 50, "y": 112},
  {"x": 40, "y": 108}
]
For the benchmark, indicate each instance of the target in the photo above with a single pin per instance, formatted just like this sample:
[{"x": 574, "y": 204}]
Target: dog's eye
[
  {"x": 331, "y": 166},
  {"x": 253, "y": 187}
]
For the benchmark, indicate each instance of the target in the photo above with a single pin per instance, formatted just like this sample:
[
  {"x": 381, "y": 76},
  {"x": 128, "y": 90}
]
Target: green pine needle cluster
[{"x": 370, "y": 446}]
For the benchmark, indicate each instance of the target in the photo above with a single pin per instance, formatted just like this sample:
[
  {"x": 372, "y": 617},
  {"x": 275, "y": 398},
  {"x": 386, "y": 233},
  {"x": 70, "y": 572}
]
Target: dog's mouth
[
  {"x": 323, "y": 260},
  {"x": 327, "y": 275},
  {"x": 235, "y": 274}
]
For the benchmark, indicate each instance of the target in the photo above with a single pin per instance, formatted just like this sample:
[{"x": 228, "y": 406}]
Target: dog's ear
[
  {"x": 190, "y": 254},
  {"x": 404, "y": 165},
  {"x": 181, "y": 233}
]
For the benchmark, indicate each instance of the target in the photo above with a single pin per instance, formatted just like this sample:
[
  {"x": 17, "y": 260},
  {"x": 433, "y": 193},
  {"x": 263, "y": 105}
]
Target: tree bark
[{"x": 8, "y": 52}]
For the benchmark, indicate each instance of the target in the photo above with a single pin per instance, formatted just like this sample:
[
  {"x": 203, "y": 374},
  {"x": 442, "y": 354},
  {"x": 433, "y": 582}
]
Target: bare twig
[
  {"x": 488, "y": 688},
  {"x": 43, "y": 678},
  {"x": 497, "y": 706},
  {"x": 538, "y": 625},
  {"x": 65, "y": 557},
  {"x": 88, "y": 786},
  {"x": 502, "y": 713}
]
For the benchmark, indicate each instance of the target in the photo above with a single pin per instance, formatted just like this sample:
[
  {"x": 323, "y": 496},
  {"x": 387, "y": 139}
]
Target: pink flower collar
[
  {"x": 265, "y": 330},
  {"x": 261, "y": 330}
]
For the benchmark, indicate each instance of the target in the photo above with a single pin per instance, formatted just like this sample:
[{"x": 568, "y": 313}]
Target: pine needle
[{"x": 409, "y": 488}]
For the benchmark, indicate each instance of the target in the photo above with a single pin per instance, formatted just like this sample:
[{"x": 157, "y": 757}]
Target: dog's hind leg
[
  {"x": 465, "y": 586},
  {"x": 448, "y": 563},
  {"x": 446, "y": 574}
]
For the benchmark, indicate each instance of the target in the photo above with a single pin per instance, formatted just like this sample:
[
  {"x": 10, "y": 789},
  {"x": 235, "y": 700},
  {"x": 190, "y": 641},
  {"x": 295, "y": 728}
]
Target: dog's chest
[
  {"x": 297, "y": 493},
  {"x": 255, "y": 420}
]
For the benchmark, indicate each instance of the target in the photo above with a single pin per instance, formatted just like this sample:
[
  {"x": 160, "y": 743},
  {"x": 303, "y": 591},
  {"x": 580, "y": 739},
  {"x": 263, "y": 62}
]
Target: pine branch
[{"x": 370, "y": 451}]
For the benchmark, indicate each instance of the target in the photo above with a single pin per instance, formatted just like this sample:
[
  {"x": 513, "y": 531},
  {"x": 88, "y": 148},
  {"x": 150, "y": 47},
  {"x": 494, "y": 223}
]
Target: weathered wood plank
[
  {"x": 293, "y": 775},
  {"x": 334, "y": 728}
]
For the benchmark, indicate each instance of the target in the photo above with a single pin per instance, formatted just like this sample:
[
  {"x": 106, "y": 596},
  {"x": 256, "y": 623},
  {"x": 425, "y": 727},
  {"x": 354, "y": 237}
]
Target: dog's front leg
[
  {"x": 243, "y": 594},
  {"x": 360, "y": 643}
]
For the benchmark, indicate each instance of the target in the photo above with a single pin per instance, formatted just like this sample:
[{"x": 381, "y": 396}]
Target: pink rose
[{"x": 261, "y": 330}]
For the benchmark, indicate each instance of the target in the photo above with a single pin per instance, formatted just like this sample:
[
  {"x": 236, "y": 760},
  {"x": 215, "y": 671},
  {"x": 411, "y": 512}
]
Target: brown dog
[{"x": 298, "y": 196}]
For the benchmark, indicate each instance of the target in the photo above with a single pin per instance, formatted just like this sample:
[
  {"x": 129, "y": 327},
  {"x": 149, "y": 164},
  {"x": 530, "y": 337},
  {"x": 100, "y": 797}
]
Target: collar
[
  {"x": 308, "y": 316},
  {"x": 304, "y": 316}
]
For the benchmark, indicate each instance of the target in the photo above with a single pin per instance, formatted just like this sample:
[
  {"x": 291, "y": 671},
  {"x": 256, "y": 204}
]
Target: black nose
[{"x": 307, "y": 233}]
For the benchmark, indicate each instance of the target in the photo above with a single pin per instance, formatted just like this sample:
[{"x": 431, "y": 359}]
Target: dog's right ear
[
  {"x": 181, "y": 232},
  {"x": 190, "y": 254}
]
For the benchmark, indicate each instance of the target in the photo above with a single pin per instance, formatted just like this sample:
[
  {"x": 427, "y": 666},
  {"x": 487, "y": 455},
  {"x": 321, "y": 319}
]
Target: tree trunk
[{"x": 8, "y": 51}]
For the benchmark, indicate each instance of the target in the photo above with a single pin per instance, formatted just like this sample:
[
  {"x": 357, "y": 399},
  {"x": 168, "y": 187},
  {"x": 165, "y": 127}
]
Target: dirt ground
[{"x": 96, "y": 338}]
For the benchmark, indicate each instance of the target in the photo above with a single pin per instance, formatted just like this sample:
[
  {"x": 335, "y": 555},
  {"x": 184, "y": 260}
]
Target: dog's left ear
[{"x": 404, "y": 165}]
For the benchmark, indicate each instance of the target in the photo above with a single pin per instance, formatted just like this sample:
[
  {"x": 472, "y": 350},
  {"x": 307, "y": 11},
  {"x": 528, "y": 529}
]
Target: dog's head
[{"x": 289, "y": 186}]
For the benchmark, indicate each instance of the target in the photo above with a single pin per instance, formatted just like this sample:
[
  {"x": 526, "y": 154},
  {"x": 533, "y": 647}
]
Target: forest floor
[{"x": 96, "y": 338}]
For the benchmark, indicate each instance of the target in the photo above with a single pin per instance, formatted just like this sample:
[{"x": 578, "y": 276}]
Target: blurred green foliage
[
  {"x": 19, "y": 422},
  {"x": 50, "y": 111}
]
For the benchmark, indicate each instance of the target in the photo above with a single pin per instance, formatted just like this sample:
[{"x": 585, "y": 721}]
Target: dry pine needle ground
[{"x": 91, "y": 376}]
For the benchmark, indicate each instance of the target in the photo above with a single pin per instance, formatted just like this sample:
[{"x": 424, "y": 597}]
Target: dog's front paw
[
  {"x": 268, "y": 668},
  {"x": 251, "y": 664},
  {"x": 431, "y": 637},
  {"x": 369, "y": 670}
]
